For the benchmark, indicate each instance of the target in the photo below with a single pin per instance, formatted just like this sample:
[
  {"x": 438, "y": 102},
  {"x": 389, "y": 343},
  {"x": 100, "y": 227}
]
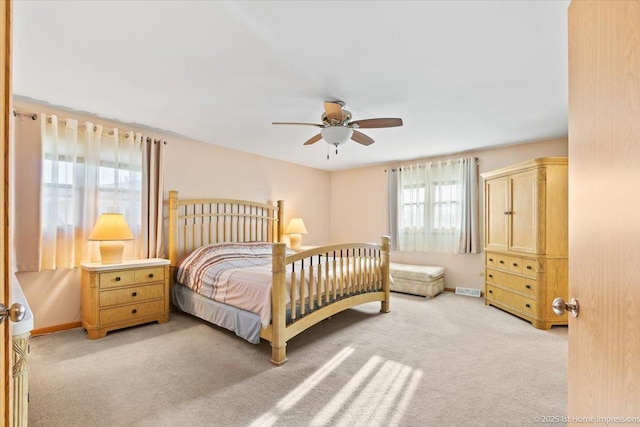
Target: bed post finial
[{"x": 386, "y": 248}]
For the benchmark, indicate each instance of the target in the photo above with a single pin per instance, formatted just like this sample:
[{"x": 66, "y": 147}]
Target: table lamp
[
  {"x": 110, "y": 230},
  {"x": 294, "y": 230}
]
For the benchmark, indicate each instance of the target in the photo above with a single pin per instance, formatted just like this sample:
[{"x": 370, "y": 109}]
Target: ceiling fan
[{"x": 337, "y": 127}]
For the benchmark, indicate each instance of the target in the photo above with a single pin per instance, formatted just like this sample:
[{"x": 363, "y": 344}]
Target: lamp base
[
  {"x": 111, "y": 252},
  {"x": 295, "y": 240}
]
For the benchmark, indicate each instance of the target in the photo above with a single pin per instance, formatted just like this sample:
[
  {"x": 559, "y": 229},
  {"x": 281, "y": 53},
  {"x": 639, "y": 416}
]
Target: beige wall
[
  {"x": 342, "y": 206},
  {"x": 359, "y": 207},
  {"x": 195, "y": 169}
]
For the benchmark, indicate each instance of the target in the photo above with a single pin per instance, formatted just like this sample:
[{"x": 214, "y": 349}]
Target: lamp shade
[
  {"x": 336, "y": 135},
  {"x": 111, "y": 226},
  {"x": 111, "y": 229},
  {"x": 296, "y": 226}
]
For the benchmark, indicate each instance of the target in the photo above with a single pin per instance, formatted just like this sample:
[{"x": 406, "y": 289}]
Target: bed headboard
[{"x": 197, "y": 222}]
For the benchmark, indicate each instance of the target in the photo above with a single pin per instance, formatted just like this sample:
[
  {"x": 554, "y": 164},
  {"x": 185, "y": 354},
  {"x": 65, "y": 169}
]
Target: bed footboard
[{"x": 313, "y": 285}]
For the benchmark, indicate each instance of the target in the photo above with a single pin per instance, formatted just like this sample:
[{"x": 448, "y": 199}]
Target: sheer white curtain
[
  {"x": 436, "y": 203},
  {"x": 86, "y": 171}
]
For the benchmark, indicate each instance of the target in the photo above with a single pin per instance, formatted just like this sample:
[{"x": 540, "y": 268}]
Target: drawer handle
[
  {"x": 134, "y": 294},
  {"x": 134, "y": 311},
  {"x": 515, "y": 264},
  {"x": 491, "y": 275},
  {"x": 529, "y": 267},
  {"x": 150, "y": 275},
  {"x": 118, "y": 279},
  {"x": 527, "y": 305},
  {"x": 490, "y": 291},
  {"x": 491, "y": 259},
  {"x": 528, "y": 286},
  {"x": 501, "y": 262}
]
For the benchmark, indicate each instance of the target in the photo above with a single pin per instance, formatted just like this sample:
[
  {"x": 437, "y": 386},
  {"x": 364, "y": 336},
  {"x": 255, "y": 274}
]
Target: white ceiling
[{"x": 461, "y": 74}]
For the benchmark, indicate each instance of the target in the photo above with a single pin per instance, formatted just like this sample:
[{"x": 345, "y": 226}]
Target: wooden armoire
[{"x": 526, "y": 239}]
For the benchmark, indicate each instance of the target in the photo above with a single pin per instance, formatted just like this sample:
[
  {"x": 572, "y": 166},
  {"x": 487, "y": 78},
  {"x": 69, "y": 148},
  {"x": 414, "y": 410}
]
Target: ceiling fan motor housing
[{"x": 346, "y": 118}]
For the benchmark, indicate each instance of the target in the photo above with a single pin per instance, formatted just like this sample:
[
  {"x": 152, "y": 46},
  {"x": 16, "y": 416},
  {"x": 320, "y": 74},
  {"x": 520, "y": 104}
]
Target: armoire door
[
  {"x": 604, "y": 209},
  {"x": 496, "y": 222},
  {"x": 523, "y": 212}
]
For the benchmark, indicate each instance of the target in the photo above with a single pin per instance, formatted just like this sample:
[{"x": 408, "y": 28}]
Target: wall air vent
[{"x": 468, "y": 291}]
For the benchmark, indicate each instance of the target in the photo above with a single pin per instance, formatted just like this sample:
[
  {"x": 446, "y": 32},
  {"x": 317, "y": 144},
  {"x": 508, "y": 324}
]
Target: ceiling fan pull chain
[{"x": 336, "y": 148}]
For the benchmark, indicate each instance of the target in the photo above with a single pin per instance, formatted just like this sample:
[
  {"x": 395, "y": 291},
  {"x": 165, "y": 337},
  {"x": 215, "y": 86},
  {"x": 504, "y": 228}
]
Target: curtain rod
[
  {"x": 34, "y": 116},
  {"x": 477, "y": 159}
]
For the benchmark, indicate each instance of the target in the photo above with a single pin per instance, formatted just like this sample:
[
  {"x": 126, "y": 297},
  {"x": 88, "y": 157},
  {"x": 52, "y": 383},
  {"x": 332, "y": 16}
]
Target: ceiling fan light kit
[
  {"x": 336, "y": 135},
  {"x": 337, "y": 127}
]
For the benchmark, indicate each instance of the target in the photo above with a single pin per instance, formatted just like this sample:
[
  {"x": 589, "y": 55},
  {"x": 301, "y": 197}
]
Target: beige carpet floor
[{"x": 447, "y": 361}]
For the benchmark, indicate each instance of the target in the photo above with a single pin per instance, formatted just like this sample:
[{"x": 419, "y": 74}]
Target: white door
[{"x": 604, "y": 212}]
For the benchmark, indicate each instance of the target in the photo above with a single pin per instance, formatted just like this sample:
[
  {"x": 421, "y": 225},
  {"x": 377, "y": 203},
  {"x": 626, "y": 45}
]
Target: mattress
[{"x": 245, "y": 324}]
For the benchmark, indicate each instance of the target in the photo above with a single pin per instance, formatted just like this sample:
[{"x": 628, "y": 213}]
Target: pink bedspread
[{"x": 237, "y": 274}]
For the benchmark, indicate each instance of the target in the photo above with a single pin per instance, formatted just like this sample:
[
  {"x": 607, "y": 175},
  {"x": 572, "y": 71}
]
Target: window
[
  {"x": 445, "y": 206},
  {"x": 85, "y": 174},
  {"x": 434, "y": 202},
  {"x": 58, "y": 183},
  {"x": 413, "y": 200}
]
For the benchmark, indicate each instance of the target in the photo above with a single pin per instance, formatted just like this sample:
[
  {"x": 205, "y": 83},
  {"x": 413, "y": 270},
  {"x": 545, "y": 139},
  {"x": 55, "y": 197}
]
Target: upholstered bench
[{"x": 424, "y": 280}]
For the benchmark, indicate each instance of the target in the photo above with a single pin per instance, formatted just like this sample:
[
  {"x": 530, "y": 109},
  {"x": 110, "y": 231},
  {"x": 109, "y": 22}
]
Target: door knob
[
  {"x": 16, "y": 312},
  {"x": 560, "y": 307}
]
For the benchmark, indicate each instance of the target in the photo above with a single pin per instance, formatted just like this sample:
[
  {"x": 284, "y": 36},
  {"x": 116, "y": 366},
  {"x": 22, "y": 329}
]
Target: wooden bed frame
[{"x": 349, "y": 274}]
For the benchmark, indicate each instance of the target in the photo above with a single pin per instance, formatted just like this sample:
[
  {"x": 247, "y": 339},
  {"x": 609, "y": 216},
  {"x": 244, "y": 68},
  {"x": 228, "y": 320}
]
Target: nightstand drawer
[
  {"x": 133, "y": 294},
  {"x": 148, "y": 275},
  {"x": 117, "y": 279},
  {"x": 131, "y": 312}
]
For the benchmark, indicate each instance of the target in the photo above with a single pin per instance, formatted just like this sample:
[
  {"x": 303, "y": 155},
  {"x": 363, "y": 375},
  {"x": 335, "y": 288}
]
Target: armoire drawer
[
  {"x": 517, "y": 283},
  {"x": 529, "y": 267},
  {"x": 515, "y": 264},
  {"x": 517, "y": 302}
]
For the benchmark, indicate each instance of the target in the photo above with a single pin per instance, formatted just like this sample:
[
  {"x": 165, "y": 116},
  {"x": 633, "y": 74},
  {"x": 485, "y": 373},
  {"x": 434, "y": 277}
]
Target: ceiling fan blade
[
  {"x": 297, "y": 123},
  {"x": 361, "y": 138},
  {"x": 377, "y": 123},
  {"x": 313, "y": 140},
  {"x": 333, "y": 110}
]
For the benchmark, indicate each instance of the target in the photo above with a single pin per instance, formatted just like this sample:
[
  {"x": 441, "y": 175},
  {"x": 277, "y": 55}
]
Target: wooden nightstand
[{"x": 116, "y": 296}]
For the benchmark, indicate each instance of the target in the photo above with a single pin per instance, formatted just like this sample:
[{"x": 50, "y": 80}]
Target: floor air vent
[{"x": 468, "y": 291}]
